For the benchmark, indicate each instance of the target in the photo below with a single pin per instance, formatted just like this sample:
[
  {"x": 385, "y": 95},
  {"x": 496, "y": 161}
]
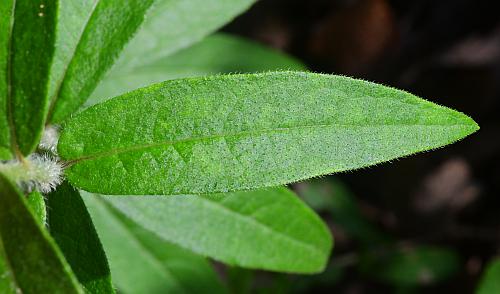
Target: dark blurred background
[{"x": 446, "y": 51}]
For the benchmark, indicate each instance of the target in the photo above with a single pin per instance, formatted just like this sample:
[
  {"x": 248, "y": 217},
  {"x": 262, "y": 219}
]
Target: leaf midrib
[
  {"x": 241, "y": 134},
  {"x": 260, "y": 224},
  {"x": 217, "y": 205}
]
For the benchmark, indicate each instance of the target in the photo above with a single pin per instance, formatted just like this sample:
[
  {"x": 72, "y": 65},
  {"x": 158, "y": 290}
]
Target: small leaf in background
[
  {"x": 35, "y": 263},
  {"x": 192, "y": 20},
  {"x": 27, "y": 65},
  {"x": 71, "y": 227},
  {"x": 239, "y": 132},
  {"x": 36, "y": 203},
  {"x": 240, "y": 280},
  {"x": 266, "y": 229},
  {"x": 332, "y": 196},
  {"x": 216, "y": 54},
  {"x": 5, "y": 30},
  {"x": 412, "y": 266},
  {"x": 142, "y": 263},
  {"x": 490, "y": 281},
  {"x": 107, "y": 30}
]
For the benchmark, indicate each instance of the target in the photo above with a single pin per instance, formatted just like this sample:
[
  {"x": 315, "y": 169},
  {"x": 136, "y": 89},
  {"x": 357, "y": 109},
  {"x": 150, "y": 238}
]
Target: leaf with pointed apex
[
  {"x": 216, "y": 54},
  {"x": 266, "y": 229},
  {"x": 108, "y": 28},
  {"x": 142, "y": 263},
  {"x": 34, "y": 262},
  {"x": 490, "y": 281},
  {"x": 71, "y": 227},
  {"x": 239, "y": 132},
  {"x": 26, "y": 50}
]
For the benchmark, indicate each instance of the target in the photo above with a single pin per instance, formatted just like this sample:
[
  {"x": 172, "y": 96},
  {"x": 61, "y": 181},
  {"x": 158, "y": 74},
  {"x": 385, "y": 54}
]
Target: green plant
[{"x": 215, "y": 147}]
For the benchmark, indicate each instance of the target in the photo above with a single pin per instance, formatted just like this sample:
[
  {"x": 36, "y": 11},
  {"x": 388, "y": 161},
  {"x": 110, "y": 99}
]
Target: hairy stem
[{"x": 39, "y": 172}]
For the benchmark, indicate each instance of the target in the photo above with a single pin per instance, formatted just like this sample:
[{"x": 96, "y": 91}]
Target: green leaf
[
  {"x": 423, "y": 265},
  {"x": 106, "y": 30},
  {"x": 70, "y": 225},
  {"x": 218, "y": 53},
  {"x": 72, "y": 19},
  {"x": 267, "y": 229},
  {"x": 176, "y": 24},
  {"x": 238, "y": 132},
  {"x": 6, "y": 15},
  {"x": 490, "y": 281},
  {"x": 142, "y": 263},
  {"x": 108, "y": 27},
  {"x": 7, "y": 283},
  {"x": 27, "y": 30},
  {"x": 36, "y": 203},
  {"x": 34, "y": 262}
]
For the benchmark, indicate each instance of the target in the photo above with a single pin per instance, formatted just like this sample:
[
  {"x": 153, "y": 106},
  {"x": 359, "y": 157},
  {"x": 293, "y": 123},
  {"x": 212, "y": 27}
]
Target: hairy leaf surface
[
  {"x": 70, "y": 225},
  {"x": 239, "y": 132},
  {"x": 266, "y": 229},
  {"x": 216, "y": 54},
  {"x": 34, "y": 262},
  {"x": 142, "y": 263},
  {"x": 27, "y": 32}
]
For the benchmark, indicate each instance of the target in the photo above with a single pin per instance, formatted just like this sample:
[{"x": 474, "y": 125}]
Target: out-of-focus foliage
[
  {"x": 257, "y": 223},
  {"x": 410, "y": 266},
  {"x": 217, "y": 54},
  {"x": 490, "y": 281}
]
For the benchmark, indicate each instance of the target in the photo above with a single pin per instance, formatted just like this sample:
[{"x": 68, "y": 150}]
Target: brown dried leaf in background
[
  {"x": 356, "y": 36},
  {"x": 448, "y": 187}
]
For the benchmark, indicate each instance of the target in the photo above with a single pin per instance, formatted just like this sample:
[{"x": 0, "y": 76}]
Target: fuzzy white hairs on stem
[{"x": 39, "y": 171}]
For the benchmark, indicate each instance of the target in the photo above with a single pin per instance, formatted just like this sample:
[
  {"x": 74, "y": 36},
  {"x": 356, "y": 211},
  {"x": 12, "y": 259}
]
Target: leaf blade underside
[{"x": 267, "y": 229}]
